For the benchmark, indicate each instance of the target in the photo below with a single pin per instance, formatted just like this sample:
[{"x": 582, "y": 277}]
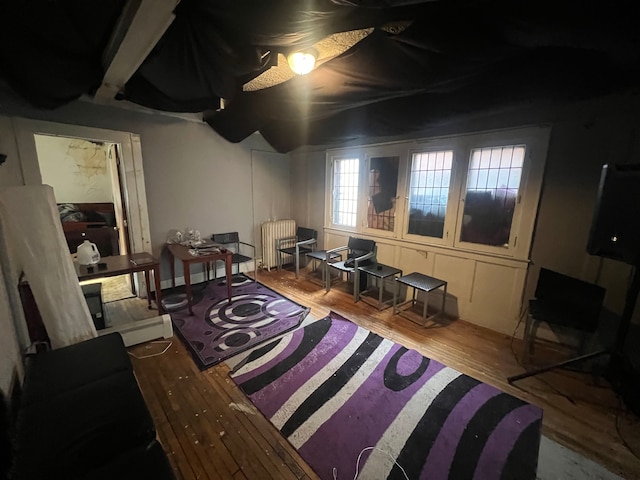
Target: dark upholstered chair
[
  {"x": 359, "y": 252},
  {"x": 564, "y": 301},
  {"x": 304, "y": 242},
  {"x": 231, "y": 241}
]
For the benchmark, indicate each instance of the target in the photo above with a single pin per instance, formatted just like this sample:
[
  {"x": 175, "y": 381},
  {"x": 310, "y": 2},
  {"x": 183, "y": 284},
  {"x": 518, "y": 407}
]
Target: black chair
[
  {"x": 304, "y": 242},
  {"x": 561, "y": 300},
  {"x": 359, "y": 252},
  {"x": 231, "y": 241}
]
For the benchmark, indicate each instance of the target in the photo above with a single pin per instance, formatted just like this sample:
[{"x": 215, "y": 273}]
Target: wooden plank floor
[{"x": 211, "y": 431}]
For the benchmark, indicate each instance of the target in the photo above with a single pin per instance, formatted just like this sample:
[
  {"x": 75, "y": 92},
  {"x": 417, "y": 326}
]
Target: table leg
[
  {"x": 444, "y": 298},
  {"x": 173, "y": 271},
  {"x": 228, "y": 267},
  {"x": 356, "y": 284},
  {"x": 326, "y": 276},
  {"x": 396, "y": 287},
  {"x": 187, "y": 284},
  {"x": 380, "y": 282},
  {"x": 146, "y": 281},
  {"x": 132, "y": 282},
  {"x": 424, "y": 307},
  {"x": 156, "y": 280}
]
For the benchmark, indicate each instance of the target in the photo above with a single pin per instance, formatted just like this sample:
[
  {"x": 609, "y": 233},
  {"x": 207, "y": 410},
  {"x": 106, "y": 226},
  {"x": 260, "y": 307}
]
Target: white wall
[
  {"x": 308, "y": 172},
  {"x": 10, "y": 171},
  {"x": 10, "y": 174},
  {"x": 78, "y": 170},
  {"x": 577, "y": 152},
  {"x": 10, "y": 364},
  {"x": 194, "y": 178},
  {"x": 584, "y": 137}
]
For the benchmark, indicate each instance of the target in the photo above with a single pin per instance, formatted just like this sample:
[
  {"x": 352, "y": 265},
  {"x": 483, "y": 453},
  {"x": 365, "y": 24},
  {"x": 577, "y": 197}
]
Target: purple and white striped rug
[{"x": 334, "y": 389}]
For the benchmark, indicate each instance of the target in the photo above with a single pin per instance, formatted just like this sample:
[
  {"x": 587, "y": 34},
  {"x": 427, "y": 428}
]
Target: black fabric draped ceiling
[{"x": 451, "y": 58}]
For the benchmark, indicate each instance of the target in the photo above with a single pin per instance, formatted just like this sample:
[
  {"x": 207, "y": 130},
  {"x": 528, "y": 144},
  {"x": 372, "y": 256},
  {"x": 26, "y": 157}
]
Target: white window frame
[
  {"x": 342, "y": 155},
  {"x": 454, "y": 191},
  {"x": 535, "y": 139},
  {"x": 376, "y": 152}
]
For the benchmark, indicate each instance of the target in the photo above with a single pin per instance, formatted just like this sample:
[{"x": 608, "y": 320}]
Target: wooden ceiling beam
[{"x": 140, "y": 26}]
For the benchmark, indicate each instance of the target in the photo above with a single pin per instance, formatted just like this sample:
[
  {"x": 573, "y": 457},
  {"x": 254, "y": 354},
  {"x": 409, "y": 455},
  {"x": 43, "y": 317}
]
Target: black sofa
[{"x": 81, "y": 415}]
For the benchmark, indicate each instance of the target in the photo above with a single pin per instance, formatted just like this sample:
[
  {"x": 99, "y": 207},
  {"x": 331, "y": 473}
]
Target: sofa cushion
[
  {"x": 148, "y": 461},
  {"x": 49, "y": 374},
  {"x": 82, "y": 429}
]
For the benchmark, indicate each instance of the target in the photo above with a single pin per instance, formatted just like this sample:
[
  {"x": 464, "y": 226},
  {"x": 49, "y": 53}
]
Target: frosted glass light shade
[{"x": 302, "y": 62}]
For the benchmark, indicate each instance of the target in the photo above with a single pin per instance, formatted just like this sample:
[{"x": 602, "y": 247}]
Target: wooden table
[
  {"x": 181, "y": 252},
  {"x": 122, "y": 265}
]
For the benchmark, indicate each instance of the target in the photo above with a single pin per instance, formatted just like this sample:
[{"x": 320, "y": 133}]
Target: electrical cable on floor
[
  {"x": 622, "y": 439},
  {"x": 515, "y": 356},
  {"x": 335, "y": 470},
  {"x": 153, "y": 354}
]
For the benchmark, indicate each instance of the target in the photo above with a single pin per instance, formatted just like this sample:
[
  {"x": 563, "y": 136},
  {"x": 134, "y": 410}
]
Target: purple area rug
[
  {"x": 219, "y": 329},
  {"x": 334, "y": 389}
]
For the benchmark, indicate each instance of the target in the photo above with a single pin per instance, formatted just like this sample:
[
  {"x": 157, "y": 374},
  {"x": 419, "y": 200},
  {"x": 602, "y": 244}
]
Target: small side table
[
  {"x": 320, "y": 256},
  {"x": 380, "y": 272},
  {"x": 426, "y": 284}
]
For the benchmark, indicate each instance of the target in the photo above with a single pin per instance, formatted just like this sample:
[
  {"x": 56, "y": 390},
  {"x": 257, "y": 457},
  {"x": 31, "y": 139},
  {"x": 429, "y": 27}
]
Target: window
[
  {"x": 381, "y": 201},
  {"x": 429, "y": 192},
  {"x": 476, "y": 193},
  {"x": 493, "y": 181},
  {"x": 345, "y": 191}
]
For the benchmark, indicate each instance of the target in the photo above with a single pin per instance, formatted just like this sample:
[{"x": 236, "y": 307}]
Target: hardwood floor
[{"x": 211, "y": 431}]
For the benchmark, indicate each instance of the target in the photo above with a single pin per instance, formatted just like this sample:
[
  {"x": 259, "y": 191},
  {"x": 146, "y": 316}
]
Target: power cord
[
  {"x": 618, "y": 411},
  {"x": 617, "y": 423},
  {"x": 515, "y": 357},
  {"x": 335, "y": 470},
  {"x": 153, "y": 354}
]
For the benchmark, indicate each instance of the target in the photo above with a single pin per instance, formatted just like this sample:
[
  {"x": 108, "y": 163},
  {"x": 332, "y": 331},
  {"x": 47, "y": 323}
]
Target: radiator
[{"x": 271, "y": 232}]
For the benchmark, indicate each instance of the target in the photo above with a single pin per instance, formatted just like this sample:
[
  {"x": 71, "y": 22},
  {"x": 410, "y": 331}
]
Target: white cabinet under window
[{"x": 472, "y": 198}]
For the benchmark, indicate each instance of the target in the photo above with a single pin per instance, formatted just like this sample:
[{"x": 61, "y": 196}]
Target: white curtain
[{"x": 30, "y": 220}]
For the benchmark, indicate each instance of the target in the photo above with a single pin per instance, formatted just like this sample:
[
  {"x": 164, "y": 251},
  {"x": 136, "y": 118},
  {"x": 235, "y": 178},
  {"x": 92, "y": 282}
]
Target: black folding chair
[
  {"x": 231, "y": 241},
  {"x": 303, "y": 243},
  {"x": 359, "y": 252},
  {"x": 561, "y": 300}
]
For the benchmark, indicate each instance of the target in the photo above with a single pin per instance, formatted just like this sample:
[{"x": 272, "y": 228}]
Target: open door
[{"x": 126, "y": 177}]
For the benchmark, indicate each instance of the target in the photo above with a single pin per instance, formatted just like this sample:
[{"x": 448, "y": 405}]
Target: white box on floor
[{"x": 141, "y": 331}]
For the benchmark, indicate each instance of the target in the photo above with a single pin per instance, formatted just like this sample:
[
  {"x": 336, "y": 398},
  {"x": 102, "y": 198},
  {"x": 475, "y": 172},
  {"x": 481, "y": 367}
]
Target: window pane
[
  {"x": 383, "y": 184},
  {"x": 491, "y": 195},
  {"x": 428, "y": 206},
  {"x": 345, "y": 191}
]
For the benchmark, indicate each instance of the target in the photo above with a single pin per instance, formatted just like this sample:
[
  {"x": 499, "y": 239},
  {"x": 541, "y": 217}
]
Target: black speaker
[{"x": 615, "y": 229}]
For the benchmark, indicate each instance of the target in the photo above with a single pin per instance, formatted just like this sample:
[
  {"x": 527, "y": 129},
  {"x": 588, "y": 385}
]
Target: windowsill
[{"x": 443, "y": 249}]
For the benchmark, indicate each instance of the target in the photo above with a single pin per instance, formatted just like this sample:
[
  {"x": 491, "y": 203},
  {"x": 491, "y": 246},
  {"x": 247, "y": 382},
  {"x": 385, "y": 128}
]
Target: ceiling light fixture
[{"x": 303, "y": 61}]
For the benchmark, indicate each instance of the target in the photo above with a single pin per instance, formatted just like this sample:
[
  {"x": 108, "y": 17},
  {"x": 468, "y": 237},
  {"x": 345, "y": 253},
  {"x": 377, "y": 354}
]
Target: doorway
[
  {"x": 86, "y": 182},
  {"x": 122, "y": 159}
]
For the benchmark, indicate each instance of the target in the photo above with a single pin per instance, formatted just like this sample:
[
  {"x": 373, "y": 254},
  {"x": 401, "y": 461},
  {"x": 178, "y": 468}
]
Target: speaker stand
[{"x": 619, "y": 372}]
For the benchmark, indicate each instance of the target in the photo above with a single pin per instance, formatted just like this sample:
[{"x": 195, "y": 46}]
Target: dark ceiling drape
[
  {"x": 51, "y": 51},
  {"x": 425, "y": 63}
]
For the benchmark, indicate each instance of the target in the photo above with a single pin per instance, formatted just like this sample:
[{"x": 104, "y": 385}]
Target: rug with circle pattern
[{"x": 219, "y": 328}]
